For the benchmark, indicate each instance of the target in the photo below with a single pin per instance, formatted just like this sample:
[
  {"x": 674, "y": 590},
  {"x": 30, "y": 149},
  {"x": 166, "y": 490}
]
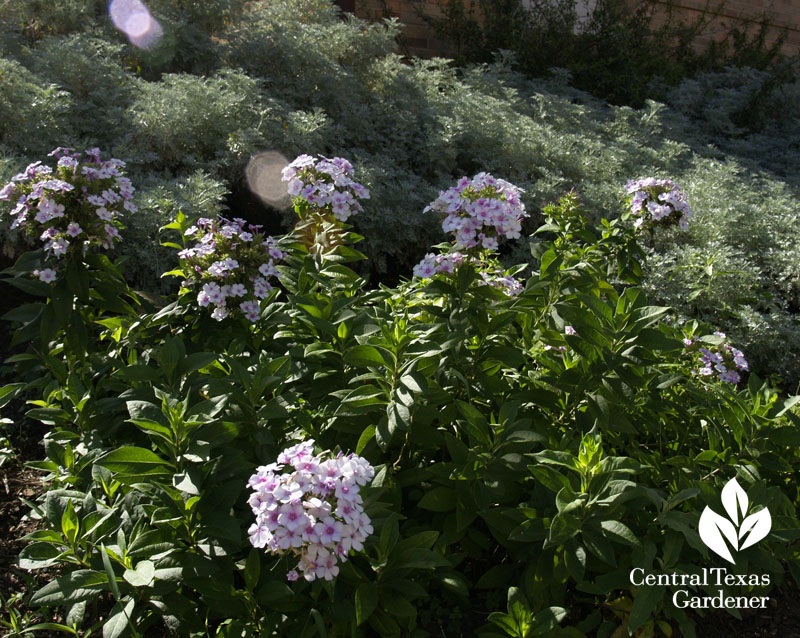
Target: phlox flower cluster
[
  {"x": 480, "y": 210},
  {"x": 75, "y": 205},
  {"x": 324, "y": 184},
  {"x": 723, "y": 360},
  {"x": 658, "y": 202},
  {"x": 434, "y": 264},
  {"x": 312, "y": 509},
  {"x": 490, "y": 274},
  {"x": 231, "y": 264}
]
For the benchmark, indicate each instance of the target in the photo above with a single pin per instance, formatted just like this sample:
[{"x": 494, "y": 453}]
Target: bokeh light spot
[
  {"x": 264, "y": 178},
  {"x": 133, "y": 18}
]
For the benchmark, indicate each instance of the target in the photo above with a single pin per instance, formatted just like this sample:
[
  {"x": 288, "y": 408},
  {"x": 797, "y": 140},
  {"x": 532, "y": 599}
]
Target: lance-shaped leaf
[
  {"x": 760, "y": 523},
  {"x": 712, "y": 527},
  {"x": 733, "y": 495}
]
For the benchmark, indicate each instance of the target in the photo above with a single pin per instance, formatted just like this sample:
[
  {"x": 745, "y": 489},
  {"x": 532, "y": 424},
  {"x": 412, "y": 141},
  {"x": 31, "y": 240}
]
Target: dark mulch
[{"x": 16, "y": 483}]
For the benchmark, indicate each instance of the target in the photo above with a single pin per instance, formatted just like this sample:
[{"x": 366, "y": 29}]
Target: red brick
[{"x": 784, "y": 13}]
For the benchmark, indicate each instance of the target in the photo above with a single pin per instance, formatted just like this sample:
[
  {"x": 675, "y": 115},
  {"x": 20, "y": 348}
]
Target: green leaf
[
  {"x": 455, "y": 584},
  {"x": 78, "y": 279},
  {"x": 575, "y": 560},
  {"x": 398, "y": 606},
  {"x": 600, "y": 308},
  {"x": 195, "y": 361},
  {"x": 252, "y": 569},
  {"x": 680, "y": 497},
  {"x": 531, "y": 530},
  {"x": 417, "y": 558},
  {"x": 398, "y": 416},
  {"x": 77, "y": 335},
  {"x": 142, "y": 576},
  {"x": 644, "y": 604},
  {"x": 384, "y": 624},
  {"x": 549, "y": 262},
  {"x": 39, "y": 555},
  {"x": 132, "y": 463},
  {"x": 366, "y": 436},
  {"x": 545, "y": 622},
  {"x": 557, "y": 457},
  {"x": 153, "y": 426},
  {"x": 320, "y": 623},
  {"x": 619, "y": 532},
  {"x": 506, "y": 623},
  {"x": 657, "y": 340},
  {"x": 81, "y": 584},
  {"x": 119, "y": 619},
  {"x": 668, "y": 380},
  {"x": 562, "y": 528},
  {"x": 187, "y": 482},
  {"x": 48, "y": 325},
  {"x": 112, "y": 578},
  {"x": 366, "y": 601},
  {"x": 69, "y": 523},
  {"x": 8, "y": 392},
  {"x": 599, "y": 546},
  {"x": 31, "y": 286},
  {"x": 364, "y": 356},
  {"x": 414, "y": 382},
  {"x": 148, "y": 543},
  {"x": 424, "y": 540},
  {"x": 787, "y": 405},
  {"x": 519, "y": 609},
  {"x": 648, "y": 315},
  {"x": 50, "y": 626},
  {"x": 390, "y": 533},
  {"x": 24, "y": 313},
  {"x": 143, "y": 410},
  {"x": 551, "y": 478},
  {"x": 383, "y": 435},
  {"x": 439, "y": 499},
  {"x": 477, "y": 426}
]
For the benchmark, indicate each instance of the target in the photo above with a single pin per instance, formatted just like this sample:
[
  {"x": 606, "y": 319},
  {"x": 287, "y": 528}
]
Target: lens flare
[
  {"x": 134, "y": 19},
  {"x": 264, "y": 178}
]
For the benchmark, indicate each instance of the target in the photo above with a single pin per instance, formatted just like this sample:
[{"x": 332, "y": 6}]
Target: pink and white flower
[
  {"x": 325, "y": 184},
  {"x": 47, "y": 275},
  {"x": 317, "y": 519}
]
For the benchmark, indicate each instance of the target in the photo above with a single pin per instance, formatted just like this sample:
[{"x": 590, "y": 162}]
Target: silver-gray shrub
[{"x": 294, "y": 77}]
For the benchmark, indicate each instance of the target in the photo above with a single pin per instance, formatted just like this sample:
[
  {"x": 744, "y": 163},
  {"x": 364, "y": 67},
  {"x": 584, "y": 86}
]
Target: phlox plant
[
  {"x": 325, "y": 185},
  {"x": 76, "y": 205},
  {"x": 479, "y": 212},
  {"x": 314, "y": 511},
  {"x": 658, "y": 202},
  {"x": 496, "y": 464},
  {"x": 230, "y": 264},
  {"x": 717, "y": 356},
  {"x": 325, "y": 196}
]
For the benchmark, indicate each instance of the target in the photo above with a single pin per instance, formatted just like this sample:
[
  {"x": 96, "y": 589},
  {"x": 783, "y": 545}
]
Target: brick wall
[
  {"x": 419, "y": 39},
  {"x": 784, "y": 14}
]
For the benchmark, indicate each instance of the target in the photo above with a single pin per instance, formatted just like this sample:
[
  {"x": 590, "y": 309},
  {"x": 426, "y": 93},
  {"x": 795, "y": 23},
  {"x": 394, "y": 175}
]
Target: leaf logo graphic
[{"x": 715, "y": 529}]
